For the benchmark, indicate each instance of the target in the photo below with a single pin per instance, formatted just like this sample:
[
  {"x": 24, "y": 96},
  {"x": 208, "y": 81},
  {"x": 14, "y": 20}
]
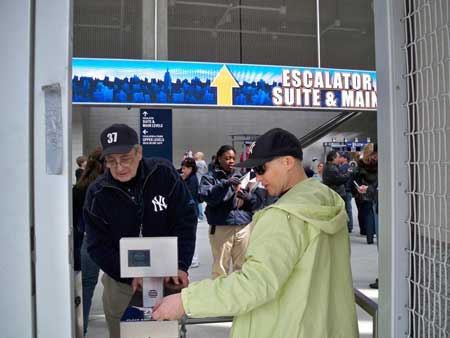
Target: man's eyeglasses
[
  {"x": 124, "y": 162},
  {"x": 259, "y": 170}
]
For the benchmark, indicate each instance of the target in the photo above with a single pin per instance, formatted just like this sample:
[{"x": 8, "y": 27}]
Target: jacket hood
[{"x": 316, "y": 204}]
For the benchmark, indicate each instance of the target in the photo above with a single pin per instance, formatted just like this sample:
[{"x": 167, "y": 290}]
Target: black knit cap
[
  {"x": 118, "y": 139},
  {"x": 274, "y": 143}
]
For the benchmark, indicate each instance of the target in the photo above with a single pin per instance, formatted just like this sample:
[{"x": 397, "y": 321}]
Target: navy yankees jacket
[{"x": 156, "y": 197}]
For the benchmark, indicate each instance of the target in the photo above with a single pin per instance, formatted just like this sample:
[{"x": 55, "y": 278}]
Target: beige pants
[
  {"x": 228, "y": 243},
  {"x": 116, "y": 297}
]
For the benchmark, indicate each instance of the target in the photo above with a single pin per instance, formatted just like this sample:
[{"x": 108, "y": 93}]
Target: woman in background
[
  {"x": 319, "y": 174},
  {"x": 366, "y": 176},
  {"x": 189, "y": 176},
  {"x": 94, "y": 168},
  {"x": 229, "y": 210}
]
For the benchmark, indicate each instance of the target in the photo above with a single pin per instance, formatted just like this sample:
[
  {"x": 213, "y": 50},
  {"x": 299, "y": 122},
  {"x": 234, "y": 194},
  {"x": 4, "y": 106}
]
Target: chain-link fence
[{"x": 427, "y": 74}]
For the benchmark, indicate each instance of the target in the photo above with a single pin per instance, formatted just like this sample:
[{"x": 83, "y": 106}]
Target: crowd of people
[
  {"x": 355, "y": 178},
  {"x": 279, "y": 240}
]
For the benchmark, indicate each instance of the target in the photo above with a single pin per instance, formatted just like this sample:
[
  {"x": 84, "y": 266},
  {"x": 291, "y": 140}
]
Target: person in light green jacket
[{"x": 296, "y": 280}]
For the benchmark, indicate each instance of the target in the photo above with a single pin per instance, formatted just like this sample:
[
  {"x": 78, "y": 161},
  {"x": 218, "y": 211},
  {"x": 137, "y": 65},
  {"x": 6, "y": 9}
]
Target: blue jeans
[
  {"x": 366, "y": 218},
  {"x": 89, "y": 270},
  {"x": 200, "y": 211},
  {"x": 348, "y": 208},
  {"x": 375, "y": 216}
]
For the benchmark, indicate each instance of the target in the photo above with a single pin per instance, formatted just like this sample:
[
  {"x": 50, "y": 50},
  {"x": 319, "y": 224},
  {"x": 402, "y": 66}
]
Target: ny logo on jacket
[{"x": 159, "y": 203}]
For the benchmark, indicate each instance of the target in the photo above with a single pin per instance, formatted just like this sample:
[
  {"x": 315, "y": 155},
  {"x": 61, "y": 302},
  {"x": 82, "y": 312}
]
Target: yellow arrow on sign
[{"x": 225, "y": 82}]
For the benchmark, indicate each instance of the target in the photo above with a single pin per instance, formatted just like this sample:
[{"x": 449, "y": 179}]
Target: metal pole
[
  {"x": 122, "y": 28},
  {"x": 393, "y": 170},
  {"x": 52, "y": 169},
  {"x": 156, "y": 29},
  {"x": 240, "y": 31},
  {"x": 318, "y": 32},
  {"x": 16, "y": 175}
]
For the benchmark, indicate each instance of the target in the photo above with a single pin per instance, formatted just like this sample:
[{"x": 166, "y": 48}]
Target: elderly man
[
  {"x": 296, "y": 280},
  {"x": 135, "y": 197}
]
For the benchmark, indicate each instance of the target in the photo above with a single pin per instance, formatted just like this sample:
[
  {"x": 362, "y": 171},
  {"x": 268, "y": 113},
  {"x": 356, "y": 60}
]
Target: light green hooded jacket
[{"x": 296, "y": 280}]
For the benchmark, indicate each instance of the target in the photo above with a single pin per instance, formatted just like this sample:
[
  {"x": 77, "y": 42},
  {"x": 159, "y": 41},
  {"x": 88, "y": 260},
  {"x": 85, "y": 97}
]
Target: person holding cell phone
[
  {"x": 366, "y": 181},
  {"x": 229, "y": 210}
]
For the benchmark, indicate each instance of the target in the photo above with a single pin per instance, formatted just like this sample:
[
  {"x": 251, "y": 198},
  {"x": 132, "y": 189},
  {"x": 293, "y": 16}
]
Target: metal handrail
[
  {"x": 194, "y": 321},
  {"x": 369, "y": 306},
  {"x": 211, "y": 320},
  {"x": 325, "y": 128}
]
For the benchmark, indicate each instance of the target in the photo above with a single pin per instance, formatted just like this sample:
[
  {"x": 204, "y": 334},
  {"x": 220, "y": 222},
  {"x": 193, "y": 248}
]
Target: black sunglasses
[{"x": 260, "y": 169}]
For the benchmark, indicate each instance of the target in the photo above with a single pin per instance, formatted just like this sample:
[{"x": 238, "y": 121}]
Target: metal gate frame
[{"x": 393, "y": 169}]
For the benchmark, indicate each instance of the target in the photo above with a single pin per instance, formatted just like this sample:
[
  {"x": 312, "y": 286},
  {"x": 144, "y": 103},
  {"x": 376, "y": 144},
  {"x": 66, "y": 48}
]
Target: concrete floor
[{"x": 364, "y": 267}]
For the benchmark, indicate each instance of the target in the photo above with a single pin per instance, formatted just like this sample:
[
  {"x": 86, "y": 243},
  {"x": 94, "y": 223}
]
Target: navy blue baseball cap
[
  {"x": 118, "y": 139},
  {"x": 274, "y": 143}
]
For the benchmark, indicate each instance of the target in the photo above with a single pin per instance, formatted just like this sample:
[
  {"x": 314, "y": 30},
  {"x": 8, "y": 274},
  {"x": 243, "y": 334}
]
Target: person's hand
[
  {"x": 181, "y": 280},
  {"x": 169, "y": 308},
  {"x": 234, "y": 180},
  {"x": 136, "y": 284},
  {"x": 243, "y": 195},
  {"x": 362, "y": 189}
]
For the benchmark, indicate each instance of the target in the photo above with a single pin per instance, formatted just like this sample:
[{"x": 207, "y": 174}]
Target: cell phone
[
  {"x": 243, "y": 177},
  {"x": 356, "y": 184}
]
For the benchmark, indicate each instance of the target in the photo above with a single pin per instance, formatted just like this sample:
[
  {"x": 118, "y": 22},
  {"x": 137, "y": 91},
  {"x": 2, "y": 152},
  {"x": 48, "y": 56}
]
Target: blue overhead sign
[{"x": 172, "y": 83}]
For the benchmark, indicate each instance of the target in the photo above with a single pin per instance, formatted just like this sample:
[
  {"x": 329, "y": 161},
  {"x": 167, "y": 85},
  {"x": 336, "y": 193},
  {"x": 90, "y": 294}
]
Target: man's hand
[
  {"x": 136, "y": 284},
  {"x": 362, "y": 189},
  {"x": 182, "y": 279},
  {"x": 169, "y": 308}
]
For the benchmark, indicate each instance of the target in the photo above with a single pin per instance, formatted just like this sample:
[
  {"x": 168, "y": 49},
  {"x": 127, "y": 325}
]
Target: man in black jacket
[
  {"x": 134, "y": 197},
  {"x": 332, "y": 176}
]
